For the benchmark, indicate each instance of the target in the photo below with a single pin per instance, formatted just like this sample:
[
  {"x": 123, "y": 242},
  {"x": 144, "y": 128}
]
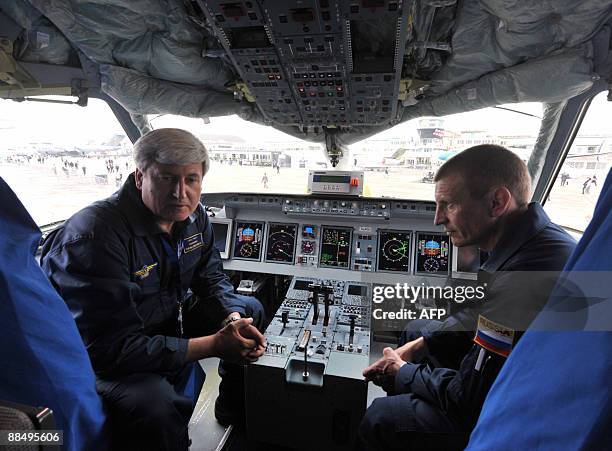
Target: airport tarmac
[{"x": 53, "y": 196}]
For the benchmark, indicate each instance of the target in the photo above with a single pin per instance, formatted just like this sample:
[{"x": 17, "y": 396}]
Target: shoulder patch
[{"x": 494, "y": 337}]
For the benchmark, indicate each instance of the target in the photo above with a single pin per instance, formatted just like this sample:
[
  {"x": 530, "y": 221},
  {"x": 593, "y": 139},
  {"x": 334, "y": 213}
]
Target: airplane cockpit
[{"x": 325, "y": 122}]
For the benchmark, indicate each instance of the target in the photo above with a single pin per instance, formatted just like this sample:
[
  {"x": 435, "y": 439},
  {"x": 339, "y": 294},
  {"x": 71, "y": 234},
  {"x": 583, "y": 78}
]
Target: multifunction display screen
[
  {"x": 394, "y": 251},
  {"x": 220, "y": 230},
  {"x": 432, "y": 253},
  {"x": 301, "y": 284},
  {"x": 248, "y": 238},
  {"x": 280, "y": 246},
  {"x": 335, "y": 247},
  {"x": 356, "y": 290}
]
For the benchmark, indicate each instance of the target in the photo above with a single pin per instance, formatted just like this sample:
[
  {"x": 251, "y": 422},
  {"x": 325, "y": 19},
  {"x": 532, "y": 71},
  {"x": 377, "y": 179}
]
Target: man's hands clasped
[
  {"x": 239, "y": 341},
  {"x": 383, "y": 371}
]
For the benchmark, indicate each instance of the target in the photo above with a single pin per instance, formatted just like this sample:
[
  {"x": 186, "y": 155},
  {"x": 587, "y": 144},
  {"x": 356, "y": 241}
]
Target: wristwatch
[{"x": 231, "y": 319}]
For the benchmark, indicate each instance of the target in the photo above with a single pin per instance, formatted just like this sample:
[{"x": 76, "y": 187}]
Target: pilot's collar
[{"x": 529, "y": 224}]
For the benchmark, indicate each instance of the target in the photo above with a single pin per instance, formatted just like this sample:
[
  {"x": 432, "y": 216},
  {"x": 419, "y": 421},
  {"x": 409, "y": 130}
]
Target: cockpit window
[
  {"x": 397, "y": 163},
  {"x": 575, "y": 192},
  {"x": 58, "y": 158}
]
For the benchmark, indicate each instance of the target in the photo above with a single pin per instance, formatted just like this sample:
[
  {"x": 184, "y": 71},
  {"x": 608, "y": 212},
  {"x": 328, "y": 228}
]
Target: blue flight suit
[
  {"x": 128, "y": 286},
  {"x": 436, "y": 408}
]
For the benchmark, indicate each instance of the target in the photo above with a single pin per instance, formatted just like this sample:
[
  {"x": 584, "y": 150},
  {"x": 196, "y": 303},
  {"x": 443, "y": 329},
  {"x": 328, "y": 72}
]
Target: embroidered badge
[
  {"x": 494, "y": 337},
  {"x": 192, "y": 243},
  {"x": 145, "y": 271}
]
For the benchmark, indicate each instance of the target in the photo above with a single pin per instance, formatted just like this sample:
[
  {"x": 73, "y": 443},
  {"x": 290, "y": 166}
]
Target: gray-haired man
[{"x": 126, "y": 266}]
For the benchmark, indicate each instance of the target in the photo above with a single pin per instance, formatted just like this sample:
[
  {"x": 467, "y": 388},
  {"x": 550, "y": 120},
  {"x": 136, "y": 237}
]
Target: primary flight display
[{"x": 247, "y": 240}]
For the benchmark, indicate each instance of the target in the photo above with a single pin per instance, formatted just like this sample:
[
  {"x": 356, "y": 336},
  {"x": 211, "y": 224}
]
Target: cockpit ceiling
[{"x": 309, "y": 67}]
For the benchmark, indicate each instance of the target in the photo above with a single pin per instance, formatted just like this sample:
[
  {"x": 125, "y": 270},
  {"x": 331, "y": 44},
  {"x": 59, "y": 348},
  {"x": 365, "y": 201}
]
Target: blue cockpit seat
[
  {"x": 44, "y": 361},
  {"x": 554, "y": 392},
  {"x": 29, "y": 419}
]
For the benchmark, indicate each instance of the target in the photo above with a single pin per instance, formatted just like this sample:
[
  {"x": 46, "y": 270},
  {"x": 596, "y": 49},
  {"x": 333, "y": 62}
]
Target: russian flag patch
[{"x": 494, "y": 337}]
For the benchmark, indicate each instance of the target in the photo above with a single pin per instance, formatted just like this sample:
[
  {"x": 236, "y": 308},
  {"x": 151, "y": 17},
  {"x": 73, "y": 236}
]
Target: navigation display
[
  {"x": 394, "y": 251},
  {"x": 247, "y": 240},
  {"x": 432, "y": 253},
  {"x": 335, "y": 247},
  {"x": 280, "y": 247}
]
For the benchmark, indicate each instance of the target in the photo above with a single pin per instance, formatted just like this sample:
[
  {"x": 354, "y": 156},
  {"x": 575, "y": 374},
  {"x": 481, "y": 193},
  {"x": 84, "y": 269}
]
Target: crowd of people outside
[{"x": 101, "y": 169}]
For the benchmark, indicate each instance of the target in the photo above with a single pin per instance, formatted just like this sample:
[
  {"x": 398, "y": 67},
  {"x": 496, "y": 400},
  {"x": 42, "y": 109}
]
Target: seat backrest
[
  {"x": 44, "y": 361},
  {"x": 18, "y": 417},
  {"x": 554, "y": 390}
]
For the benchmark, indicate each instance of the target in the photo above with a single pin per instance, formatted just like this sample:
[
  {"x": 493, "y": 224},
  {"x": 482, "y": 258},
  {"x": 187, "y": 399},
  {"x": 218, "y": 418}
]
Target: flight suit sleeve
[
  {"x": 92, "y": 276},
  {"x": 426, "y": 383},
  {"x": 453, "y": 336},
  {"x": 210, "y": 283}
]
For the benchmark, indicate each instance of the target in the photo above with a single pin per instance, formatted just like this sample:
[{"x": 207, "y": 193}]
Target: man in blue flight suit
[
  {"x": 482, "y": 199},
  {"x": 127, "y": 267}
]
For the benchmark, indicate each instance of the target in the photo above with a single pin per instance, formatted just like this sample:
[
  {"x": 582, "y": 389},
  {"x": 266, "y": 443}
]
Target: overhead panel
[{"x": 316, "y": 62}]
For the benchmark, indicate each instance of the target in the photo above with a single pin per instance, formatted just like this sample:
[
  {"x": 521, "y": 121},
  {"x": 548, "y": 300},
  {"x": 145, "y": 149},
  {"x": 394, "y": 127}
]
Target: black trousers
[
  {"x": 146, "y": 410},
  {"x": 407, "y": 422}
]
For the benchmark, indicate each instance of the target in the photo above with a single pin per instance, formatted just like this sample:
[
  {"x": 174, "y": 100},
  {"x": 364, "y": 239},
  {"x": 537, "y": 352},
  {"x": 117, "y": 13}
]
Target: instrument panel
[
  {"x": 326, "y": 246},
  {"x": 389, "y": 241},
  {"x": 314, "y": 65}
]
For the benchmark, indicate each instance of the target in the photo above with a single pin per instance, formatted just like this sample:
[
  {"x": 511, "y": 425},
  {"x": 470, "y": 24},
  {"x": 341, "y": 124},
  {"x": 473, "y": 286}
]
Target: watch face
[{"x": 231, "y": 319}]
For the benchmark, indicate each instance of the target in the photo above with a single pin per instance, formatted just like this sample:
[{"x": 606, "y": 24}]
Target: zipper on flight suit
[{"x": 174, "y": 255}]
